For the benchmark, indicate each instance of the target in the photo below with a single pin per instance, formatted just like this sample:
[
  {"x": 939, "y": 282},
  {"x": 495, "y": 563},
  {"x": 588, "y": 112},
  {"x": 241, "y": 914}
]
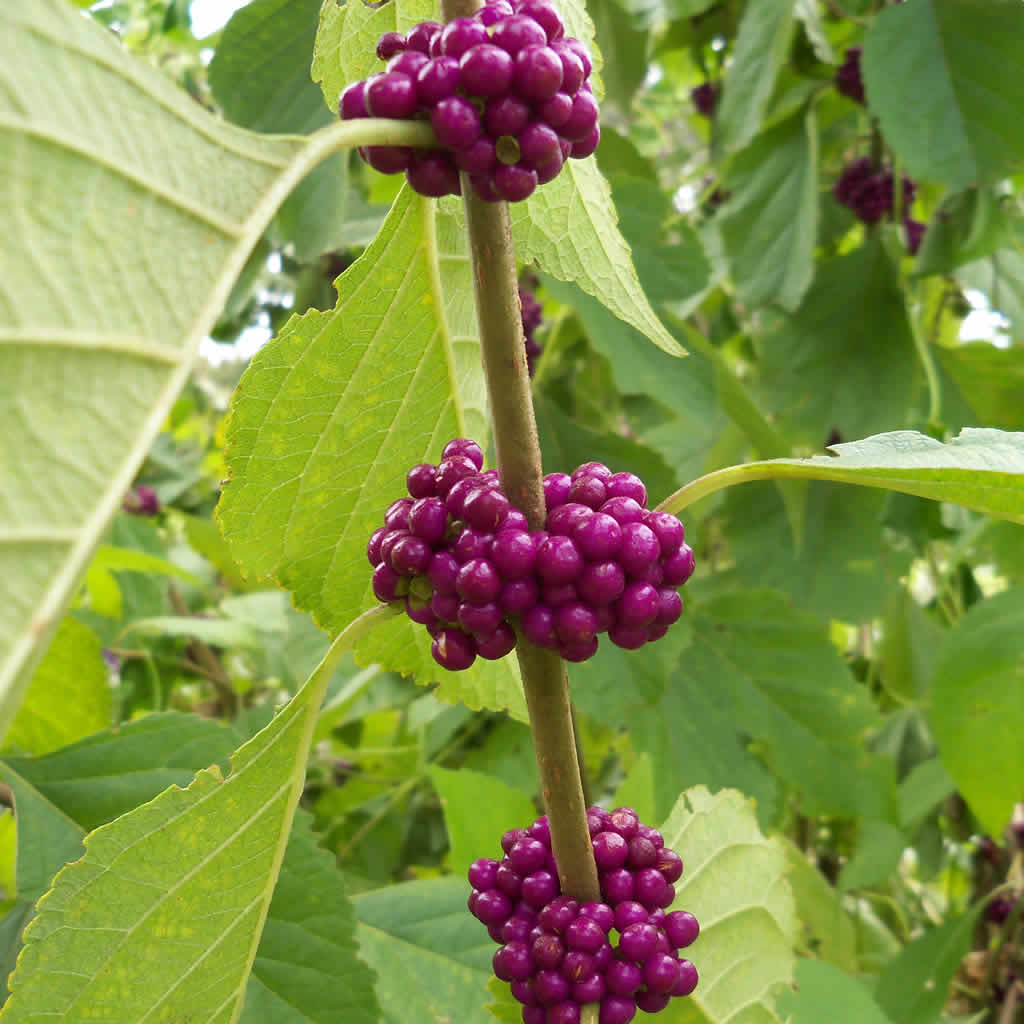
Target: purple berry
[
  {"x": 445, "y": 607},
  {"x": 651, "y": 833},
  {"x": 442, "y": 572},
  {"x": 456, "y": 122},
  {"x": 390, "y": 44},
  {"x": 506, "y": 115},
  {"x": 544, "y": 14},
  {"x": 408, "y": 64},
  {"x": 538, "y": 72},
  {"x": 565, "y": 518},
  {"x": 532, "y": 1014},
  {"x": 517, "y": 32},
  {"x": 576, "y": 966},
  {"x": 603, "y": 957},
  {"x": 519, "y": 596},
  {"x": 516, "y": 929},
  {"x": 617, "y": 886},
  {"x": 590, "y": 990},
  {"x": 454, "y": 650},
  {"x": 385, "y": 583},
  {"x": 625, "y": 821},
  {"x": 547, "y": 951},
  {"x": 617, "y": 1009},
  {"x": 565, "y": 1012},
  {"x": 527, "y": 856},
  {"x": 419, "y": 37},
  {"x": 661, "y": 972},
  {"x": 397, "y": 515},
  {"x": 419, "y": 610},
  {"x": 610, "y": 850},
  {"x": 478, "y": 581},
  {"x": 649, "y": 887},
  {"x": 472, "y": 544},
  {"x": 638, "y": 941},
  {"x": 433, "y": 174},
  {"x": 511, "y": 837},
  {"x": 623, "y": 510},
  {"x": 549, "y": 985},
  {"x": 452, "y": 469},
  {"x": 638, "y": 605},
  {"x": 479, "y": 158},
  {"x": 559, "y": 914},
  {"x": 493, "y": 12},
  {"x": 601, "y": 913},
  {"x": 629, "y": 913},
  {"x": 623, "y": 977},
  {"x": 515, "y": 520},
  {"x": 461, "y": 489},
  {"x": 538, "y": 625},
  {"x": 539, "y": 889},
  {"x": 670, "y": 606},
  {"x": 642, "y": 853},
  {"x": 599, "y": 537},
  {"x": 681, "y": 928},
  {"x": 486, "y": 70},
  {"x": 556, "y": 110},
  {"x": 465, "y": 447},
  {"x": 510, "y": 882},
  {"x": 515, "y": 182},
  {"x": 541, "y": 831},
  {"x": 589, "y": 491},
  {"x": 479, "y": 618},
  {"x": 512, "y": 962},
  {"x": 482, "y": 873},
  {"x": 848, "y": 77},
  {"x": 639, "y": 550},
  {"x": 419, "y": 481},
  {"x": 575, "y": 624},
  {"x": 437, "y": 80},
  {"x": 584, "y": 934},
  {"x": 485, "y": 509},
  {"x": 600, "y": 583},
  {"x": 495, "y": 645},
  {"x": 513, "y": 553},
  {"x": 668, "y": 529},
  {"x": 651, "y": 1002},
  {"x": 462, "y": 34},
  {"x": 352, "y": 102},
  {"x": 373, "y": 546},
  {"x": 493, "y": 907},
  {"x": 428, "y": 520},
  {"x": 582, "y": 650},
  {"x": 538, "y": 144},
  {"x": 705, "y": 98},
  {"x": 559, "y": 560},
  {"x": 687, "y": 979},
  {"x": 576, "y": 47},
  {"x": 670, "y": 864},
  {"x": 387, "y": 159},
  {"x": 583, "y": 119},
  {"x": 678, "y": 568},
  {"x": 556, "y": 489}
]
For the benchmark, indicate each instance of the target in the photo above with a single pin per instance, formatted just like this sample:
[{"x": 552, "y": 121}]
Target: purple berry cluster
[
  {"x": 506, "y": 92},
  {"x": 705, "y": 98},
  {"x": 869, "y": 192},
  {"x": 468, "y": 567},
  {"x": 531, "y": 321},
  {"x": 848, "y": 78},
  {"x": 557, "y": 955}
]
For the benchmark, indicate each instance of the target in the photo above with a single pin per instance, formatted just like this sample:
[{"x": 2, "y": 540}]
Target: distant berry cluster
[
  {"x": 865, "y": 189},
  {"x": 557, "y": 955},
  {"x": 705, "y": 98},
  {"x": 467, "y": 566},
  {"x": 506, "y": 91},
  {"x": 531, "y": 321}
]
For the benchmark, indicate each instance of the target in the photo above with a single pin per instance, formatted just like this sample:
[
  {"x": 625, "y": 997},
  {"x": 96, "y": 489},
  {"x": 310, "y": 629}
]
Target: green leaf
[
  {"x": 307, "y": 970},
  {"x": 175, "y": 893},
  {"x": 824, "y": 992},
  {"x": 567, "y": 444},
  {"x": 570, "y": 229},
  {"x": 977, "y": 708},
  {"x": 11, "y": 929},
  {"x": 821, "y": 365},
  {"x": 637, "y": 789},
  {"x": 128, "y": 194},
  {"x": 914, "y": 986},
  {"x": 991, "y": 379},
  {"x": 828, "y": 931},
  {"x": 910, "y": 642},
  {"x": 879, "y": 848},
  {"x": 982, "y": 469},
  {"x": 623, "y": 47},
  {"x": 220, "y": 632},
  {"x": 260, "y": 76},
  {"x": 495, "y": 808},
  {"x": 958, "y": 126},
  {"x": 927, "y": 785},
  {"x": 967, "y": 226},
  {"x": 760, "y": 49},
  {"x": 110, "y": 558},
  {"x": 383, "y": 381},
  {"x": 809, "y": 13},
  {"x": 769, "y": 224},
  {"x": 69, "y": 696},
  {"x": 430, "y": 954},
  {"x": 734, "y": 883}
]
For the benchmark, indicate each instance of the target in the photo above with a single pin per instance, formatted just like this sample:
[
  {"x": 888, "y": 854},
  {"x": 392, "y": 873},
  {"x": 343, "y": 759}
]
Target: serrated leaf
[
  {"x": 570, "y": 229},
  {"x": 432, "y": 957},
  {"x": 761, "y": 45},
  {"x": 307, "y": 970},
  {"x": 69, "y": 696},
  {"x": 914, "y": 985},
  {"x": 824, "y": 992},
  {"x": 734, "y": 883},
  {"x": 769, "y": 225},
  {"x": 958, "y": 126},
  {"x": 165, "y": 910},
  {"x": 977, "y": 709},
  {"x": 821, "y": 363},
  {"x": 496, "y": 807},
  {"x": 378, "y": 384},
  {"x": 130, "y": 173},
  {"x": 980, "y": 468}
]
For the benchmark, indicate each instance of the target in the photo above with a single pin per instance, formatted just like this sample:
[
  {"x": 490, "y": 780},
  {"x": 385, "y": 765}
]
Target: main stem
[{"x": 545, "y": 681}]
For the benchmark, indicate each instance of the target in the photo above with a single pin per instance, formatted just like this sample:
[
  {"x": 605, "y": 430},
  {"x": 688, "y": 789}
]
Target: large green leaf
[
  {"x": 959, "y": 124},
  {"x": 378, "y": 384},
  {"x": 734, "y": 883},
  {"x": 821, "y": 367},
  {"x": 69, "y": 696},
  {"x": 260, "y": 77},
  {"x": 166, "y": 909},
  {"x": 432, "y": 957},
  {"x": 980, "y": 468},
  {"x": 760, "y": 49},
  {"x": 978, "y": 706},
  {"x": 991, "y": 379},
  {"x": 824, "y": 992},
  {"x": 307, "y": 970},
  {"x": 770, "y": 223},
  {"x": 124, "y": 173}
]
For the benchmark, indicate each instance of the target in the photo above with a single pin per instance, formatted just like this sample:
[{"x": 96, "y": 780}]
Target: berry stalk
[{"x": 545, "y": 681}]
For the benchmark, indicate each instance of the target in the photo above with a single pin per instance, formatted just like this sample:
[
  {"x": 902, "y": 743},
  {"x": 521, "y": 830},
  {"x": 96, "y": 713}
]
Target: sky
[{"x": 209, "y": 16}]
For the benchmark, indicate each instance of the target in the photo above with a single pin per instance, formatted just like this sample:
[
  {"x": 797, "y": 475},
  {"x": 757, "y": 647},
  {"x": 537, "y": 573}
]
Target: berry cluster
[
  {"x": 531, "y": 321},
  {"x": 863, "y": 188},
  {"x": 506, "y": 91},
  {"x": 559, "y": 955},
  {"x": 848, "y": 79},
  {"x": 468, "y": 568},
  {"x": 705, "y": 98},
  {"x": 869, "y": 192}
]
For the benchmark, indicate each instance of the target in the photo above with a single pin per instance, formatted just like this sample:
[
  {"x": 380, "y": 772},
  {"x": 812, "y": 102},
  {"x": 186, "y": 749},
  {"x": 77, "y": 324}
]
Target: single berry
[
  {"x": 617, "y": 1009},
  {"x": 419, "y": 37},
  {"x": 495, "y": 645},
  {"x": 687, "y": 979},
  {"x": 556, "y": 489},
  {"x": 352, "y": 102},
  {"x": 538, "y": 73},
  {"x": 461, "y": 34},
  {"x": 681, "y": 928},
  {"x": 486, "y": 70},
  {"x": 437, "y": 80},
  {"x": 456, "y": 122},
  {"x": 544, "y": 14},
  {"x": 433, "y": 174},
  {"x": 848, "y": 77},
  {"x": 482, "y": 873},
  {"x": 420, "y": 480},
  {"x": 454, "y": 650},
  {"x": 515, "y": 182}
]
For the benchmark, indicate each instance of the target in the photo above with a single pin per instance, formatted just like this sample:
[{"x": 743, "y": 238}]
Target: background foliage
[{"x": 831, "y": 737}]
